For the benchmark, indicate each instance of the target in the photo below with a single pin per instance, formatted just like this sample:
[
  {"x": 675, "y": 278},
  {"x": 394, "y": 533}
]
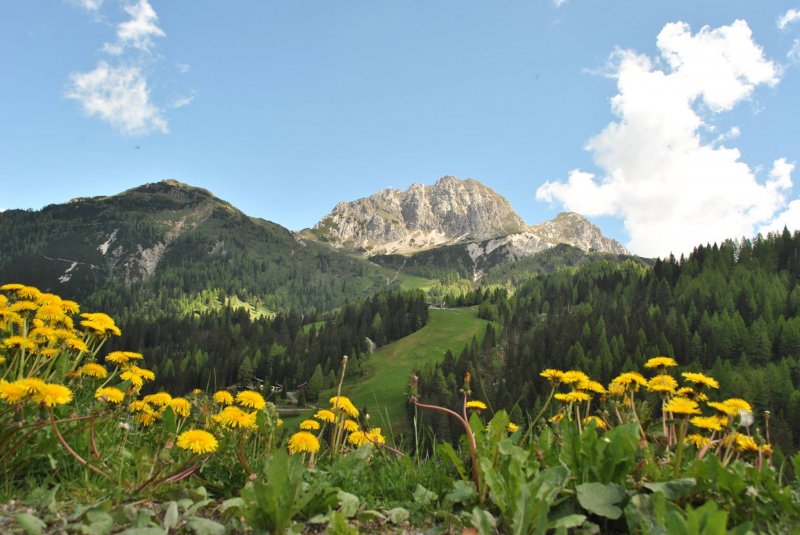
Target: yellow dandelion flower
[
  {"x": 746, "y": 443},
  {"x": 344, "y": 404},
  {"x": 180, "y": 406},
  {"x": 23, "y": 306},
  {"x": 574, "y": 377},
  {"x": 140, "y": 406},
  {"x": 616, "y": 390},
  {"x": 12, "y": 287},
  {"x": 52, "y": 394},
  {"x": 556, "y": 418},
  {"x": 234, "y": 417},
  {"x": 48, "y": 352},
  {"x": 723, "y": 408},
  {"x": 160, "y": 399},
  {"x": 477, "y": 405},
  {"x": 697, "y": 440},
  {"x": 512, "y": 427},
  {"x": 660, "y": 362},
  {"x": 738, "y": 404},
  {"x": 682, "y": 406},
  {"x": 223, "y": 397},
  {"x": 147, "y": 418},
  {"x": 101, "y": 324},
  {"x": 2, "y": 359},
  {"x": 50, "y": 313},
  {"x": 197, "y": 441},
  {"x": 250, "y": 399},
  {"x": 304, "y": 442},
  {"x": 33, "y": 385},
  {"x": 143, "y": 373},
  {"x": 700, "y": 379},
  {"x": 196, "y": 392},
  {"x": 19, "y": 342},
  {"x": 350, "y": 426},
  {"x": 554, "y": 376},
  {"x": 766, "y": 449},
  {"x": 358, "y": 438},
  {"x": 597, "y": 421},
  {"x": 70, "y": 307},
  {"x": 711, "y": 423},
  {"x": 93, "y": 369},
  {"x": 325, "y": 415},
  {"x": 77, "y": 344},
  {"x": 280, "y": 422},
  {"x": 135, "y": 379},
  {"x": 662, "y": 383},
  {"x": 118, "y": 357},
  {"x": 109, "y": 394},
  {"x": 374, "y": 435},
  {"x": 630, "y": 380},
  {"x": 29, "y": 292},
  {"x": 572, "y": 397},
  {"x": 309, "y": 425},
  {"x": 12, "y": 392},
  {"x": 593, "y": 386}
]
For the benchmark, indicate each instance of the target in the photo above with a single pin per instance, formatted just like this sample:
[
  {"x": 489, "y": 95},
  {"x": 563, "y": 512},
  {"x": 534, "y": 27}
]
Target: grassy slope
[{"x": 384, "y": 389}]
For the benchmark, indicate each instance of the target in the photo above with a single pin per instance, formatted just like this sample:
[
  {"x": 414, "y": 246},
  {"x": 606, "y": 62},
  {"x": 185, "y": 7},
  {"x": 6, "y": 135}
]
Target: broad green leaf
[
  {"x": 601, "y": 499},
  {"x": 483, "y": 521},
  {"x": 348, "y": 503},
  {"x": 171, "y": 517},
  {"x": 673, "y": 489},
  {"x": 567, "y": 522},
  {"x": 462, "y": 491},
  {"x": 398, "y": 515},
  {"x": 100, "y": 523},
  {"x": 423, "y": 496},
  {"x": 32, "y": 524},
  {"x": 204, "y": 526}
]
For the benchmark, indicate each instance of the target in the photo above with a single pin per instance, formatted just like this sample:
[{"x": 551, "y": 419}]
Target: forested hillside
[
  {"x": 731, "y": 310},
  {"x": 217, "y": 349}
]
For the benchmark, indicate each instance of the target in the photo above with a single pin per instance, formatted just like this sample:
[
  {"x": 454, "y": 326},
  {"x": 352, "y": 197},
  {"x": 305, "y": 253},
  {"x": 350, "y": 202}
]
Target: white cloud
[
  {"x": 119, "y": 96},
  {"x": 793, "y": 15},
  {"x": 559, "y": 3},
  {"x": 794, "y": 52},
  {"x": 183, "y": 68},
  {"x": 180, "y": 102},
  {"x": 672, "y": 189},
  {"x": 89, "y": 5},
  {"x": 138, "y": 31}
]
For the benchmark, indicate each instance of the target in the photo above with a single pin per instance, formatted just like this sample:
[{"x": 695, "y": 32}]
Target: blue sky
[{"x": 668, "y": 124}]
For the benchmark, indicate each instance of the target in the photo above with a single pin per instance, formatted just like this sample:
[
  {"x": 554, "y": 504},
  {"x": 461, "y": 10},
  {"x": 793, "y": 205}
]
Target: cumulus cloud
[
  {"x": 119, "y": 96},
  {"x": 89, "y": 5},
  {"x": 793, "y": 15},
  {"x": 137, "y": 32},
  {"x": 672, "y": 188},
  {"x": 180, "y": 102}
]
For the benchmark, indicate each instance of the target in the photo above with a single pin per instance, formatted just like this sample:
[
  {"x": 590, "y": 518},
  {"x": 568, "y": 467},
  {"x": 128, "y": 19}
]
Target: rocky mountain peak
[
  {"x": 419, "y": 218},
  {"x": 576, "y": 230}
]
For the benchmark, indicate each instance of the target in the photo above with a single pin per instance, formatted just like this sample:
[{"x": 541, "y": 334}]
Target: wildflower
[
  {"x": 280, "y": 422},
  {"x": 723, "y": 408},
  {"x": 197, "y": 441},
  {"x": 616, "y": 390},
  {"x": 12, "y": 392},
  {"x": 140, "y": 406},
  {"x": 29, "y": 292},
  {"x": 766, "y": 449},
  {"x": 573, "y": 377},
  {"x": 662, "y": 383},
  {"x": 556, "y": 418},
  {"x": 700, "y": 379},
  {"x": 554, "y": 376},
  {"x": 697, "y": 440},
  {"x": 143, "y": 373},
  {"x": 374, "y": 435},
  {"x": 23, "y": 306},
  {"x": 303, "y": 441},
  {"x": 223, "y": 397},
  {"x": 325, "y": 415},
  {"x": 711, "y": 423},
  {"x": 597, "y": 420},
  {"x": 682, "y": 406},
  {"x": 135, "y": 379},
  {"x": 93, "y": 369},
  {"x": 477, "y": 405},
  {"x": 593, "y": 386},
  {"x": 33, "y": 385},
  {"x": 250, "y": 399},
  {"x": 147, "y": 418},
  {"x": 746, "y": 443},
  {"x": 309, "y": 425},
  {"x": 350, "y": 426},
  {"x": 630, "y": 380},
  {"x": 738, "y": 404},
  {"x": 512, "y": 427},
  {"x": 109, "y": 394},
  {"x": 660, "y": 362},
  {"x": 234, "y": 417},
  {"x": 344, "y": 404},
  {"x": 53, "y": 394},
  {"x": 101, "y": 324},
  {"x": 196, "y": 392},
  {"x": 77, "y": 344},
  {"x": 180, "y": 406},
  {"x": 12, "y": 287},
  {"x": 20, "y": 342},
  {"x": 118, "y": 357},
  {"x": 359, "y": 438},
  {"x": 50, "y": 313},
  {"x": 70, "y": 307},
  {"x": 572, "y": 397},
  {"x": 161, "y": 399}
]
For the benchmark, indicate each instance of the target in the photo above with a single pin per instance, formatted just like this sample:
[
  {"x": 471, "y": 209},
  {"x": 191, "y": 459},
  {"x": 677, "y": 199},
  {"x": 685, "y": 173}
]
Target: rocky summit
[
  {"x": 452, "y": 211},
  {"x": 421, "y": 217}
]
